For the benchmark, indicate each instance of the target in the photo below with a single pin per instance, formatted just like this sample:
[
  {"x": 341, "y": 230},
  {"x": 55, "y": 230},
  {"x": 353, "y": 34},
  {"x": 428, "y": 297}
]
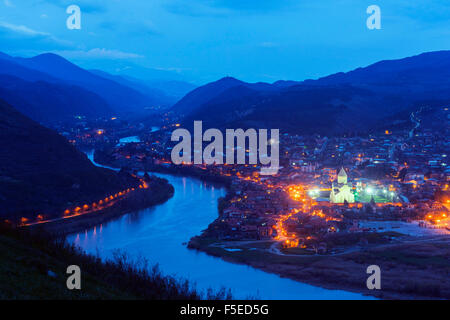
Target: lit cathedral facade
[{"x": 342, "y": 190}]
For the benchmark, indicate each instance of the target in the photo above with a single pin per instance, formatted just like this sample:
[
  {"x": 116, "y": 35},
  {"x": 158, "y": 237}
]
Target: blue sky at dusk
[{"x": 203, "y": 40}]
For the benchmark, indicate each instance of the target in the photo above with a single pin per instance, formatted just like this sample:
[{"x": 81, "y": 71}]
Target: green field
[{"x": 364, "y": 197}]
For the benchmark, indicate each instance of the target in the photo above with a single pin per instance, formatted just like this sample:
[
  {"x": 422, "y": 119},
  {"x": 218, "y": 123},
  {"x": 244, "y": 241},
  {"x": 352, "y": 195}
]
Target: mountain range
[
  {"x": 355, "y": 101},
  {"x": 49, "y": 87}
]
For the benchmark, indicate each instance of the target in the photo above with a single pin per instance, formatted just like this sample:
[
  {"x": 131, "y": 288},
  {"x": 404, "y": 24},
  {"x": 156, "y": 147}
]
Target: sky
[{"x": 203, "y": 40}]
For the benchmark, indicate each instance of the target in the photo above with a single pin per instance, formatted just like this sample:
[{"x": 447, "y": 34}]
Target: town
[{"x": 330, "y": 194}]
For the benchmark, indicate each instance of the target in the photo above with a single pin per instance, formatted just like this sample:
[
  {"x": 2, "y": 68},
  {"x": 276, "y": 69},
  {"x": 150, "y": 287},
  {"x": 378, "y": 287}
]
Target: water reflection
[{"x": 160, "y": 233}]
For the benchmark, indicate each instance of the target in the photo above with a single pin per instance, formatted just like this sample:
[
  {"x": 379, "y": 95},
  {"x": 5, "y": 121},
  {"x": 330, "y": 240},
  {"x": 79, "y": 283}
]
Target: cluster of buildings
[{"x": 325, "y": 184}]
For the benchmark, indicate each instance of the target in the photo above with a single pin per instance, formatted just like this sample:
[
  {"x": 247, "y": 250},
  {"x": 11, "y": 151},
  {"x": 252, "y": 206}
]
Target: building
[{"x": 342, "y": 190}]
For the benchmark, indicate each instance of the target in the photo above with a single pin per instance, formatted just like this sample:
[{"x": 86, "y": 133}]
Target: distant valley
[{"x": 49, "y": 88}]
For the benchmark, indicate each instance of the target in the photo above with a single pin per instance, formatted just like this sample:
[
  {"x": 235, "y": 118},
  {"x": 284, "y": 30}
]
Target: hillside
[
  {"x": 201, "y": 95},
  {"x": 24, "y": 274},
  {"x": 121, "y": 97},
  {"x": 34, "y": 267},
  {"x": 423, "y": 69},
  {"x": 159, "y": 97},
  {"x": 305, "y": 109},
  {"x": 41, "y": 173},
  {"x": 42, "y": 100},
  {"x": 356, "y": 101},
  {"x": 171, "y": 82}
]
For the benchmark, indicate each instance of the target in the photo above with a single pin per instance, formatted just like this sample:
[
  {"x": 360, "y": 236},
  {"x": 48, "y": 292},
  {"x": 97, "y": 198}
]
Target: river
[
  {"x": 160, "y": 234},
  {"x": 126, "y": 140}
]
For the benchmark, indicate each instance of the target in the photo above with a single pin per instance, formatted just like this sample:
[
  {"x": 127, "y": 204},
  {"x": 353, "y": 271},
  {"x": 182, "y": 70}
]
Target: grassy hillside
[
  {"x": 34, "y": 267},
  {"x": 24, "y": 275},
  {"x": 42, "y": 173}
]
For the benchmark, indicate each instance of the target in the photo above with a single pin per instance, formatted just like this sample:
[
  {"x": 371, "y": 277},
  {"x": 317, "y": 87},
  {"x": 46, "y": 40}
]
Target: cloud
[
  {"x": 8, "y": 3},
  {"x": 24, "y": 31},
  {"x": 144, "y": 28},
  {"x": 99, "y": 53},
  {"x": 422, "y": 11},
  {"x": 173, "y": 69}
]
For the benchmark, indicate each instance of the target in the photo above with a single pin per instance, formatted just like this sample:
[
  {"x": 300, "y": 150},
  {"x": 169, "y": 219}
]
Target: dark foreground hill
[
  {"x": 357, "y": 101},
  {"x": 41, "y": 173},
  {"x": 34, "y": 267}
]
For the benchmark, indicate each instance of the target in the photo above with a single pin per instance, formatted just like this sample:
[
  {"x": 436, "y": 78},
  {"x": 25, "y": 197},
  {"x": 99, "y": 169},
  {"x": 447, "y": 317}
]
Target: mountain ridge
[
  {"x": 355, "y": 101},
  {"x": 56, "y": 70}
]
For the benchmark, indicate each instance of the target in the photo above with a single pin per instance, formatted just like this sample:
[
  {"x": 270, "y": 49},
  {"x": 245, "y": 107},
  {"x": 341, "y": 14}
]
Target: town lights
[{"x": 370, "y": 190}]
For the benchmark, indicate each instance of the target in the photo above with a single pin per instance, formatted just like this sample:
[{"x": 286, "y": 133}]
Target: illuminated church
[{"x": 342, "y": 191}]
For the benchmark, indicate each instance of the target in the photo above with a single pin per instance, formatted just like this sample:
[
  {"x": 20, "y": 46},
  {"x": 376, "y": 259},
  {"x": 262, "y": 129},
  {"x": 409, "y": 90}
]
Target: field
[{"x": 414, "y": 269}]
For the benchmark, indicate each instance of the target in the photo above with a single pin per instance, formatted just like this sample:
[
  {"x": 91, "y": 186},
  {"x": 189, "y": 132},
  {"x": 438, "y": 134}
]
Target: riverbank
[
  {"x": 33, "y": 266},
  {"x": 191, "y": 171},
  {"x": 203, "y": 245},
  {"x": 414, "y": 270},
  {"x": 158, "y": 191},
  {"x": 336, "y": 272},
  {"x": 161, "y": 233},
  {"x": 347, "y": 271}
]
